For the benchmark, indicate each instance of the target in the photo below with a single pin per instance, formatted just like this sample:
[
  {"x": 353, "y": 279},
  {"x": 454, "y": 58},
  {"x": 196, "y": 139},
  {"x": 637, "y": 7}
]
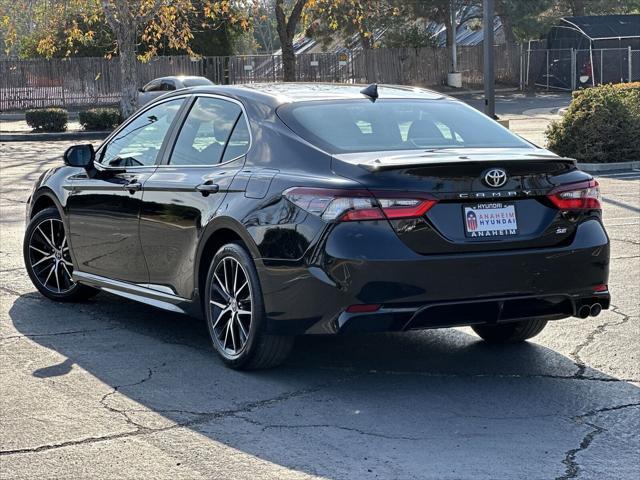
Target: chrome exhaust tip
[
  {"x": 584, "y": 311},
  {"x": 595, "y": 310}
]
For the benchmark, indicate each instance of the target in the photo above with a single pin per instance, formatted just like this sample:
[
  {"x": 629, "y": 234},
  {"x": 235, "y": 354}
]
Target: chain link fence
[{"x": 569, "y": 69}]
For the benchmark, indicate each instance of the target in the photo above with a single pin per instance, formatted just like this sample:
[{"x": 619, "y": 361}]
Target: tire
[
  {"x": 48, "y": 261},
  {"x": 512, "y": 332},
  {"x": 239, "y": 337}
]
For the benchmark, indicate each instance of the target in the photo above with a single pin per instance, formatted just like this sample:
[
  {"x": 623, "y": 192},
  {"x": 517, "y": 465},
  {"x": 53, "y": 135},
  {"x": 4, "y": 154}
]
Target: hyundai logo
[{"x": 496, "y": 177}]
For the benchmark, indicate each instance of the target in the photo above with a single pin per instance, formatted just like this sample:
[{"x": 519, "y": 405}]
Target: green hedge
[
  {"x": 100, "y": 118},
  {"x": 47, "y": 119},
  {"x": 601, "y": 125}
]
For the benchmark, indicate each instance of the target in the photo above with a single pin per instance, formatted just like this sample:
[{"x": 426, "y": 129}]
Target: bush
[
  {"x": 100, "y": 118},
  {"x": 601, "y": 125},
  {"x": 47, "y": 119}
]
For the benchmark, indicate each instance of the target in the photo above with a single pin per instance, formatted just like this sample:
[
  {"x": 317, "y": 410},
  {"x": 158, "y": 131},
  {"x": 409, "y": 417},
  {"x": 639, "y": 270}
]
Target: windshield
[
  {"x": 344, "y": 126},
  {"x": 196, "y": 82}
]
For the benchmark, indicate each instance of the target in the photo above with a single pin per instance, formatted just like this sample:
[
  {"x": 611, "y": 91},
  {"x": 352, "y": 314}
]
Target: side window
[
  {"x": 153, "y": 86},
  {"x": 239, "y": 140},
  {"x": 138, "y": 144},
  {"x": 167, "y": 85},
  {"x": 205, "y": 132}
]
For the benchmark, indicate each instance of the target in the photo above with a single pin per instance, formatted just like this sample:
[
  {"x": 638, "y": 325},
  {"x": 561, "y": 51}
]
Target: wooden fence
[{"x": 81, "y": 82}]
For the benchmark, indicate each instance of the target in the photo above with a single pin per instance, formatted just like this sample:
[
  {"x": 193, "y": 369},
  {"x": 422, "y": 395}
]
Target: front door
[
  {"x": 104, "y": 206},
  {"x": 186, "y": 191}
]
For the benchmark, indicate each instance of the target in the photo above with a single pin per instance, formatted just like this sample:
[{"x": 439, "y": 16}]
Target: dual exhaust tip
[{"x": 589, "y": 310}]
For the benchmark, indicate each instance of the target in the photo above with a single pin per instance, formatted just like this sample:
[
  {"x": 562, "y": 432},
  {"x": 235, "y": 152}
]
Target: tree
[
  {"x": 286, "y": 26},
  {"x": 139, "y": 27},
  {"x": 265, "y": 31},
  {"x": 155, "y": 20},
  {"x": 361, "y": 18}
]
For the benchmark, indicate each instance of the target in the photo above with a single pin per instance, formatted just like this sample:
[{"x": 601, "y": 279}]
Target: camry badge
[{"x": 496, "y": 177}]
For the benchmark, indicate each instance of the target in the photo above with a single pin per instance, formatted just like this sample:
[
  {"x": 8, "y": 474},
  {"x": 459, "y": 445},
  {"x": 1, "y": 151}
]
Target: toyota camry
[{"x": 279, "y": 210}]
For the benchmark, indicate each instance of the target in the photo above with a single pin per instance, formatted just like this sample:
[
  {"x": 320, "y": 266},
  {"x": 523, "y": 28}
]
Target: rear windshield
[
  {"x": 195, "y": 82},
  {"x": 344, "y": 126}
]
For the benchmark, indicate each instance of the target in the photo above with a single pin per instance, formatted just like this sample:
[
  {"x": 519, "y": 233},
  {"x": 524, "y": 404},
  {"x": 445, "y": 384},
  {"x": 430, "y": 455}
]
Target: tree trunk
[
  {"x": 288, "y": 61},
  {"x": 577, "y": 8},
  {"x": 286, "y": 32},
  {"x": 449, "y": 27},
  {"x": 128, "y": 73},
  {"x": 507, "y": 28}
]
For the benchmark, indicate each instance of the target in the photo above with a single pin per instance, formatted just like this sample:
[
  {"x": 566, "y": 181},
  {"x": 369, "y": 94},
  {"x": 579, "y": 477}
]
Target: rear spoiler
[{"x": 379, "y": 165}]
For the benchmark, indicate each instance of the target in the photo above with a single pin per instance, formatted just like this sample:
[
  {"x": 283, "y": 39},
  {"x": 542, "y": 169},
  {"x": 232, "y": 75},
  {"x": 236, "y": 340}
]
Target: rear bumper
[{"x": 368, "y": 264}]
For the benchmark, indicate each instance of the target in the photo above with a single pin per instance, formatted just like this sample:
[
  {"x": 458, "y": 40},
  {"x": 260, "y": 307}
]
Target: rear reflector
[
  {"x": 600, "y": 288},
  {"x": 359, "y": 205},
  {"x": 579, "y": 196},
  {"x": 363, "y": 308}
]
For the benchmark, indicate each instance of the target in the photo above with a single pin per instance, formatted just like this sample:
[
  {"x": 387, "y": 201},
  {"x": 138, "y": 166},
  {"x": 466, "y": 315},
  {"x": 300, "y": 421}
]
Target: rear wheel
[
  {"x": 510, "y": 332},
  {"x": 235, "y": 313},
  {"x": 48, "y": 260}
]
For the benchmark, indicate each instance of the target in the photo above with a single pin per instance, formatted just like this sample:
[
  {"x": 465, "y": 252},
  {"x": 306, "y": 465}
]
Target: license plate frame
[{"x": 492, "y": 220}]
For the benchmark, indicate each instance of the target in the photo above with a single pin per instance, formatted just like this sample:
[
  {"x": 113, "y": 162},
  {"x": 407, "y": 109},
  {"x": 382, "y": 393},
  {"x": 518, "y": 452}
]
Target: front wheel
[
  {"x": 235, "y": 313},
  {"x": 511, "y": 332},
  {"x": 48, "y": 260}
]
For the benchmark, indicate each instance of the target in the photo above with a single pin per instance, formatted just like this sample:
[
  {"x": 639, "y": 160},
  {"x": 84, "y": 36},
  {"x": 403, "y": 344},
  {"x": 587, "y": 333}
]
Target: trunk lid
[{"x": 472, "y": 214}]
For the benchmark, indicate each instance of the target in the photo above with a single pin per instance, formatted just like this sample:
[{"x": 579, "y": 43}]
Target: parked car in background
[
  {"x": 162, "y": 85},
  {"x": 288, "y": 209}
]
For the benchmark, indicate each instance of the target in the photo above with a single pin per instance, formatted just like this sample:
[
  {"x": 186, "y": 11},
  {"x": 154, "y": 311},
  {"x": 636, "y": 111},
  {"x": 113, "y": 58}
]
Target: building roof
[{"x": 605, "y": 26}]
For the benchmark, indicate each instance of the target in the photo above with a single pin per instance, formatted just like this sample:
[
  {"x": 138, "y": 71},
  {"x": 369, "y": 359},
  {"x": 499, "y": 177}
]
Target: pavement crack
[
  {"x": 337, "y": 427},
  {"x": 598, "y": 330},
  {"x": 572, "y": 469},
  {"x": 123, "y": 413},
  {"x": 56, "y": 334},
  {"x": 10, "y": 291},
  {"x": 625, "y": 240},
  {"x": 204, "y": 417},
  {"x": 483, "y": 375}
]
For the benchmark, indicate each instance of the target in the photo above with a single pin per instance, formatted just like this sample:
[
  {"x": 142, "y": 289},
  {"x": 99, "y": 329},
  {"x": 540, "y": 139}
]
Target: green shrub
[
  {"x": 601, "y": 125},
  {"x": 47, "y": 119},
  {"x": 100, "y": 118}
]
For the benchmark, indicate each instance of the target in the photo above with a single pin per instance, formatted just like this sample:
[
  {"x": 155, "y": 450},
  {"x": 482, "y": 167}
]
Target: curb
[
  {"x": 32, "y": 137},
  {"x": 608, "y": 167},
  {"x": 461, "y": 93}
]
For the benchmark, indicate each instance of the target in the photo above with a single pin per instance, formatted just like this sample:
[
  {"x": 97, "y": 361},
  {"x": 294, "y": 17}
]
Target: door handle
[
  {"x": 208, "y": 187},
  {"x": 133, "y": 186}
]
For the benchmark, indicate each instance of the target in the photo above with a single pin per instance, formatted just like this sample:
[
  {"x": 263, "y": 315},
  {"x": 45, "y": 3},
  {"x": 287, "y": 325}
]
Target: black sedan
[{"x": 287, "y": 209}]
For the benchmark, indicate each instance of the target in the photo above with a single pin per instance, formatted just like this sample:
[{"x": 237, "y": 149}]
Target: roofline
[
  {"x": 564, "y": 19},
  {"x": 577, "y": 28},
  {"x": 277, "y": 99}
]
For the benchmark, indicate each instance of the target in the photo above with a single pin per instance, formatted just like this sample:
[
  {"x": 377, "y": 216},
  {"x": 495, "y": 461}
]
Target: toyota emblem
[{"x": 496, "y": 177}]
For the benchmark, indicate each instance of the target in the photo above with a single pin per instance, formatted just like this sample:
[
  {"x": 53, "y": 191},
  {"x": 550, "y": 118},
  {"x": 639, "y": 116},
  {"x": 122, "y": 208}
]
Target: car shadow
[{"x": 393, "y": 404}]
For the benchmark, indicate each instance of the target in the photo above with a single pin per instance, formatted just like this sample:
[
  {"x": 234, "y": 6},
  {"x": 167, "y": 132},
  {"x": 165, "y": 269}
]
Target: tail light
[
  {"x": 357, "y": 205},
  {"x": 579, "y": 196}
]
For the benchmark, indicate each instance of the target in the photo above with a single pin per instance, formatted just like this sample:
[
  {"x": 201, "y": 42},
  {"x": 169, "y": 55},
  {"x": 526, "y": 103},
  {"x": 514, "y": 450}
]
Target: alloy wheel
[
  {"x": 231, "y": 306},
  {"x": 49, "y": 256}
]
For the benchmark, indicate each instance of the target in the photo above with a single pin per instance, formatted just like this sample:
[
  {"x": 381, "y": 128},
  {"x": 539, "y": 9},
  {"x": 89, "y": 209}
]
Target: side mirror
[
  {"x": 80, "y": 156},
  {"x": 141, "y": 89}
]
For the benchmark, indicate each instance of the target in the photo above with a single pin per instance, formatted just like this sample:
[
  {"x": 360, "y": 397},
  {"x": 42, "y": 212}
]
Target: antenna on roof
[{"x": 371, "y": 91}]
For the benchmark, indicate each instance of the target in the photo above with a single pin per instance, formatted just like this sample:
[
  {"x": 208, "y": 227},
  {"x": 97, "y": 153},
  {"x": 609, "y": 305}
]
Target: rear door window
[
  {"x": 239, "y": 140},
  {"x": 205, "y": 132}
]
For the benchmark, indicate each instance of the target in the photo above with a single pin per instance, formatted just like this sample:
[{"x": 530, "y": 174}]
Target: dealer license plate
[{"x": 495, "y": 219}]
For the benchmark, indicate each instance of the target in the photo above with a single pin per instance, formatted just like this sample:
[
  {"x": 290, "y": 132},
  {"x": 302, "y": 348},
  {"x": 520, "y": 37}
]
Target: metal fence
[
  {"x": 78, "y": 82},
  {"x": 569, "y": 69}
]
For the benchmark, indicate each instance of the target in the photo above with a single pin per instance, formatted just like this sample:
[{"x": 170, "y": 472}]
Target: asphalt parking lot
[{"x": 114, "y": 389}]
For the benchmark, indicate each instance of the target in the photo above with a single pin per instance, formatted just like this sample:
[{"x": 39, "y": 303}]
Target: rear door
[{"x": 186, "y": 191}]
